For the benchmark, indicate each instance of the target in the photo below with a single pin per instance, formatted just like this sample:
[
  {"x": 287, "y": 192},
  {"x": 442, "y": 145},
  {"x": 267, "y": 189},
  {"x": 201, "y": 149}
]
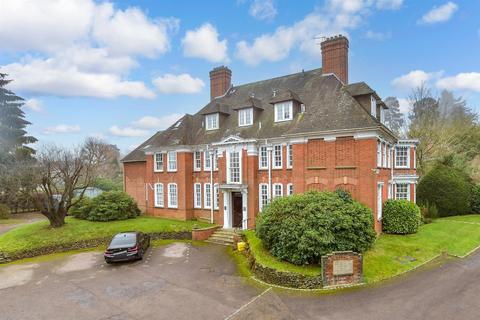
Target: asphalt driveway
[{"x": 182, "y": 281}]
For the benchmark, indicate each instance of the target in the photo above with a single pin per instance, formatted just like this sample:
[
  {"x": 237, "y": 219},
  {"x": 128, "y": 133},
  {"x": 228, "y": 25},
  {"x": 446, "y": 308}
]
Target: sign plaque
[{"x": 342, "y": 267}]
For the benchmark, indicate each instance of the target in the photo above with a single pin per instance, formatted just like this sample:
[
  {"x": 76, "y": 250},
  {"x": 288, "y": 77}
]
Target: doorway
[{"x": 237, "y": 209}]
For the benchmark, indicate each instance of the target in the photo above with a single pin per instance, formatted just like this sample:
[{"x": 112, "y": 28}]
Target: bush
[
  {"x": 81, "y": 209},
  {"x": 475, "y": 203},
  {"x": 4, "y": 211},
  {"x": 401, "y": 217},
  {"x": 108, "y": 206},
  {"x": 301, "y": 228},
  {"x": 447, "y": 188}
]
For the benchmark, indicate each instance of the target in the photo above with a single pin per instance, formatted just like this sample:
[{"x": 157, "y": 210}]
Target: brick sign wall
[{"x": 342, "y": 268}]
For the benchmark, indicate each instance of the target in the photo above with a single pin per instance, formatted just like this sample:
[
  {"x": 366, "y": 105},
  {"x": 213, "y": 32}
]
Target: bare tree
[{"x": 63, "y": 175}]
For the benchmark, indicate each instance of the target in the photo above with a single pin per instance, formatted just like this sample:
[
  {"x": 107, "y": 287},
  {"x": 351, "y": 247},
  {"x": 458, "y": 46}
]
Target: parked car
[{"x": 127, "y": 246}]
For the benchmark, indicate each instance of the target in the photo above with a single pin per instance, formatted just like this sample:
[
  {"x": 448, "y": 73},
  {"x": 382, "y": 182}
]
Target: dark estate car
[{"x": 127, "y": 246}]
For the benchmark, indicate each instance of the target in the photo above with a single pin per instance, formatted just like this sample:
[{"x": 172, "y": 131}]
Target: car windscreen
[{"x": 124, "y": 240}]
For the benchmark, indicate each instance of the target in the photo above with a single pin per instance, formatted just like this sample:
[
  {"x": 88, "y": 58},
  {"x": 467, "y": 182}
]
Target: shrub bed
[
  {"x": 108, "y": 206},
  {"x": 301, "y": 228},
  {"x": 401, "y": 217}
]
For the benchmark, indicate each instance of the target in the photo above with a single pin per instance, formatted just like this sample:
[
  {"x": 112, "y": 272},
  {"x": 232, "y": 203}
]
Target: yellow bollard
[{"x": 241, "y": 246}]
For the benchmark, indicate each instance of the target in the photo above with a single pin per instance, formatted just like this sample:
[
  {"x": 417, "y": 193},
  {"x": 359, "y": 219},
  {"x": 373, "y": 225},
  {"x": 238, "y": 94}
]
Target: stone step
[
  {"x": 224, "y": 239},
  {"x": 223, "y": 233},
  {"x": 223, "y": 243}
]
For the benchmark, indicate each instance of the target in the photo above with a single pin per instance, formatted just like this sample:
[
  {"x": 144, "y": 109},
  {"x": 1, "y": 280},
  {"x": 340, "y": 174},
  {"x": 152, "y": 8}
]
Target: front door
[{"x": 237, "y": 209}]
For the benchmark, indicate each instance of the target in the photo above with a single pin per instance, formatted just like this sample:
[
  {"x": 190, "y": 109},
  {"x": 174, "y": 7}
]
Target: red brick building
[{"x": 262, "y": 140}]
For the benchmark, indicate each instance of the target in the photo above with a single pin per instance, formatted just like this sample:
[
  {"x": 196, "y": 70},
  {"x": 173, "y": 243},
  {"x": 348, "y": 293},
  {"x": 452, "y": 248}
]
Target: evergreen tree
[
  {"x": 394, "y": 118},
  {"x": 13, "y": 136}
]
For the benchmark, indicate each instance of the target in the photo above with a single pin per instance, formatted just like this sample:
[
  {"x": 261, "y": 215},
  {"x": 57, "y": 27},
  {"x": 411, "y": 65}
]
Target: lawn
[
  {"x": 11, "y": 221},
  {"x": 39, "y": 234},
  {"x": 395, "y": 254}
]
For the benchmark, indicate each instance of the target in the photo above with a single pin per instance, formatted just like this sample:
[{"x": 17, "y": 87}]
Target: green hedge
[
  {"x": 303, "y": 227},
  {"x": 475, "y": 203},
  {"x": 448, "y": 188},
  {"x": 401, "y": 217},
  {"x": 108, "y": 206}
]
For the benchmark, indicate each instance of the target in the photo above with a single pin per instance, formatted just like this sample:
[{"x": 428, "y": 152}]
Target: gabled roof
[
  {"x": 329, "y": 106},
  {"x": 361, "y": 88},
  {"x": 284, "y": 95}
]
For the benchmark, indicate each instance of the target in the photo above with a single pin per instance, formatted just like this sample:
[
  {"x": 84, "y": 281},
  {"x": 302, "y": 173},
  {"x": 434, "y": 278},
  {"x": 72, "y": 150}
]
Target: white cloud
[
  {"x": 404, "y": 105},
  {"x": 34, "y": 105},
  {"x": 62, "y": 128},
  {"x": 182, "y": 83},
  {"x": 377, "y": 36},
  {"x": 337, "y": 16},
  {"x": 263, "y": 9},
  {"x": 439, "y": 14},
  {"x": 158, "y": 123},
  {"x": 127, "y": 132},
  {"x": 51, "y": 77},
  {"x": 414, "y": 79},
  {"x": 80, "y": 47},
  {"x": 469, "y": 81},
  {"x": 129, "y": 31},
  {"x": 204, "y": 43},
  {"x": 389, "y": 4}
]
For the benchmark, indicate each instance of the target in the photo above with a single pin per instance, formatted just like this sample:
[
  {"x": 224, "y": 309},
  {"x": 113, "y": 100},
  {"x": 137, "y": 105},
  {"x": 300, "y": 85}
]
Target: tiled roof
[{"x": 329, "y": 105}]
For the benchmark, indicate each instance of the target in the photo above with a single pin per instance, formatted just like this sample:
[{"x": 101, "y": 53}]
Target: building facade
[{"x": 255, "y": 142}]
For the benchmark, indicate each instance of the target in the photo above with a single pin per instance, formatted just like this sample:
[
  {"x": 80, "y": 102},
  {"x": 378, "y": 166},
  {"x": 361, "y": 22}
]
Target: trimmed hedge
[
  {"x": 303, "y": 227},
  {"x": 108, "y": 206},
  {"x": 401, "y": 217},
  {"x": 447, "y": 188},
  {"x": 475, "y": 201}
]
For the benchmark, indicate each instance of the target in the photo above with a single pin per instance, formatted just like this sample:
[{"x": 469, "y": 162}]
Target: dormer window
[
  {"x": 245, "y": 117},
  {"x": 211, "y": 121},
  {"x": 373, "y": 106},
  {"x": 283, "y": 111}
]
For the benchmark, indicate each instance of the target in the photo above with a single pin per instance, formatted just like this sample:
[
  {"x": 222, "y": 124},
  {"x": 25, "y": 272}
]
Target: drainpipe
[
  {"x": 269, "y": 159},
  {"x": 210, "y": 154}
]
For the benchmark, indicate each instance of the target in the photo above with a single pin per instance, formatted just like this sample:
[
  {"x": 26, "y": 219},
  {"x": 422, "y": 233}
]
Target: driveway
[{"x": 182, "y": 281}]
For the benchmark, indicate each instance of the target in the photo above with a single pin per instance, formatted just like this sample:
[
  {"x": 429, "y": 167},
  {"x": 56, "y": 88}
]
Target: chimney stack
[
  {"x": 335, "y": 57},
  {"x": 220, "y": 81}
]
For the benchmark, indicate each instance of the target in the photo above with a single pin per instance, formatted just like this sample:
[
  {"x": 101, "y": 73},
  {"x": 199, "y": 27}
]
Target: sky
[{"x": 123, "y": 70}]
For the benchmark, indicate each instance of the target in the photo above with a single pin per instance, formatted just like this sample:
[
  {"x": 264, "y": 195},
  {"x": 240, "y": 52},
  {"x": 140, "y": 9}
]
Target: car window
[{"x": 124, "y": 239}]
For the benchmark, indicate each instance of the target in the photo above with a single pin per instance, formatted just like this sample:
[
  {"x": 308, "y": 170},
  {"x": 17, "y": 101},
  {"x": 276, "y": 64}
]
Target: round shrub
[
  {"x": 81, "y": 209},
  {"x": 303, "y": 227},
  {"x": 4, "y": 211},
  {"x": 447, "y": 188},
  {"x": 476, "y": 199},
  {"x": 113, "y": 205},
  {"x": 401, "y": 217}
]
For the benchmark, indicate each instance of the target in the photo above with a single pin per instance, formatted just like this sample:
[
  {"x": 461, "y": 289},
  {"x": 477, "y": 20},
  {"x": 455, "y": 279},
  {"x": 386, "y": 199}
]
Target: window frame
[
  {"x": 169, "y": 161},
  {"x": 197, "y": 195},
  {"x": 261, "y": 159},
  {"x": 275, "y": 166},
  {"x": 261, "y": 205},
  {"x": 155, "y": 162},
  {"x": 275, "y": 186},
  {"x": 245, "y": 114},
  {"x": 206, "y": 161},
  {"x": 207, "y": 196},
  {"x": 373, "y": 106},
  {"x": 159, "y": 202},
  {"x": 197, "y": 160},
  {"x": 407, "y": 160},
  {"x": 216, "y": 122},
  {"x": 216, "y": 196},
  {"x": 281, "y": 106},
  {"x": 289, "y": 156},
  {"x": 379, "y": 154},
  {"x": 170, "y": 198},
  {"x": 229, "y": 167},
  {"x": 289, "y": 189},
  {"x": 407, "y": 191}
]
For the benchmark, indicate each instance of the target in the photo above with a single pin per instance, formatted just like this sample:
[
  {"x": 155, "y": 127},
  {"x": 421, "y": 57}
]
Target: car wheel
[{"x": 108, "y": 262}]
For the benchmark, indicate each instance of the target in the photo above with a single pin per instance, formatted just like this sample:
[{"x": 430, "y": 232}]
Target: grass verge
[
  {"x": 40, "y": 234},
  {"x": 10, "y": 221},
  {"x": 263, "y": 257}
]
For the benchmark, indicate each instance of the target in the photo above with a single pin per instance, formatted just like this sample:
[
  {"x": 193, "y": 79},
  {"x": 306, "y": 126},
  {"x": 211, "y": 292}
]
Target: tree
[
  {"x": 13, "y": 136},
  {"x": 63, "y": 176},
  {"x": 394, "y": 118}
]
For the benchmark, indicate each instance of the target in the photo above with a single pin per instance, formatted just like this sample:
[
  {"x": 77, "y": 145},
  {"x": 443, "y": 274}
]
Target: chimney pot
[
  {"x": 335, "y": 57},
  {"x": 220, "y": 81}
]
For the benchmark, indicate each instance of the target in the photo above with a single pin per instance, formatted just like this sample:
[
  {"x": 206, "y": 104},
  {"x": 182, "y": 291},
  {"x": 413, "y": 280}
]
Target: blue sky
[{"x": 125, "y": 69}]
